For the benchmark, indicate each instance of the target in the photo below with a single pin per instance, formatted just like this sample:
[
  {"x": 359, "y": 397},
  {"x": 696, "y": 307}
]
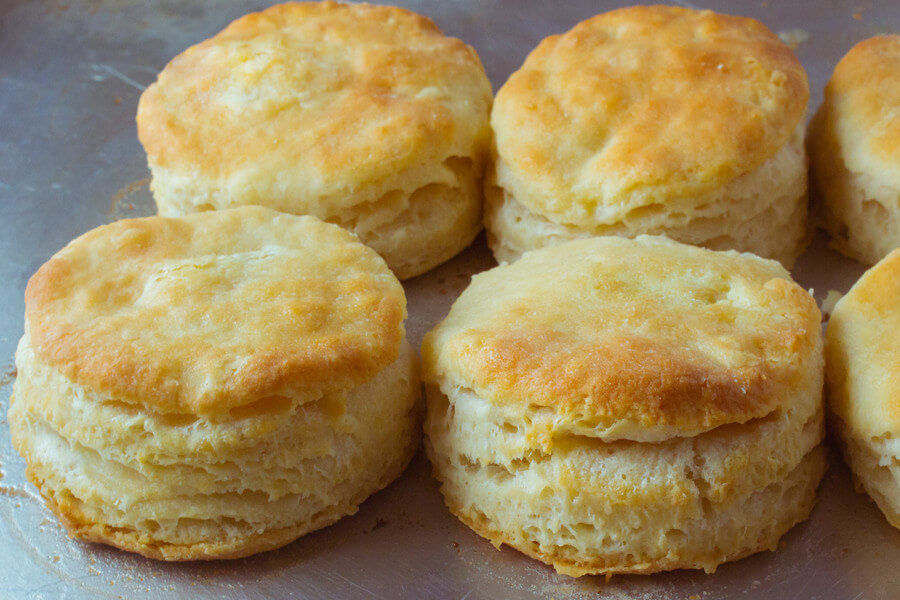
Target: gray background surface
[{"x": 70, "y": 77}]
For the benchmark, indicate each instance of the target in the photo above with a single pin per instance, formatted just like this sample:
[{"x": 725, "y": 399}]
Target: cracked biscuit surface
[{"x": 628, "y": 406}]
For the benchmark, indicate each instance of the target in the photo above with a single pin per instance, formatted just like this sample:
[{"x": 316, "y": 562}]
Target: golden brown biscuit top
[
  {"x": 332, "y": 95},
  {"x": 215, "y": 311},
  {"x": 863, "y": 96},
  {"x": 863, "y": 342},
  {"x": 639, "y": 339},
  {"x": 641, "y": 106}
]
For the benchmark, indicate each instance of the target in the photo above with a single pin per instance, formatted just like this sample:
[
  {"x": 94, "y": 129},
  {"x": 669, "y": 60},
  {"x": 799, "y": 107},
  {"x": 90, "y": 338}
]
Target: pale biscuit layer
[
  {"x": 762, "y": 212},
  {"x": 589, "y": 507},
  {"x": 173, "y": 487}
]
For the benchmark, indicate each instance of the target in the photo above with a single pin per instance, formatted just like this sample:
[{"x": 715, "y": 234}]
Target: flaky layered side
[
  {"x": 762, "y": 212},
  {"x": 181, "y": 487},
  {"x": 863, "y": 375},
  {"x": 610, "y": 405},
  {"x": 416, "y": 230},
  {"x": 587, "y": 506},
  {"x": 366, "y": 116},
  {"x": 855, "y": 151},
  {"x": 652, "y": 120}
]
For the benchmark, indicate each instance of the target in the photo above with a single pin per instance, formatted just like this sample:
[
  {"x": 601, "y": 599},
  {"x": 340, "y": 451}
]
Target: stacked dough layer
[
  {"x": 628, "y": 406},
  {"x": 365, "y": 116},
  {"x": 230, "y": 382},
  {"x": 652, "y": 120}
]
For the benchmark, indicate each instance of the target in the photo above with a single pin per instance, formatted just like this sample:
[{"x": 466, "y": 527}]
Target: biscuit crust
[
  {"x": 864, "y": 352},
  {"x": 863, "y": 93},
  {"x": 260, "y": 304},
  {"x": 288, "y": 83},
  {"x": 643, "y": 106},
  {"x": 681, "y": 340}
]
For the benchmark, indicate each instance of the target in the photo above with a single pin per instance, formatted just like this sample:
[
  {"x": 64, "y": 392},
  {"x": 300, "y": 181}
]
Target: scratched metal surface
[{"x": 70, "y": 77}]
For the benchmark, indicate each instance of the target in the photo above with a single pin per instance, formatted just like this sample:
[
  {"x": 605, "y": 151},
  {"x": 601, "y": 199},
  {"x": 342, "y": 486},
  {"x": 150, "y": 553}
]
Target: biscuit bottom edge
[
  {"x": 79, "y": 526},
  {"x": 787, "y": 503}
]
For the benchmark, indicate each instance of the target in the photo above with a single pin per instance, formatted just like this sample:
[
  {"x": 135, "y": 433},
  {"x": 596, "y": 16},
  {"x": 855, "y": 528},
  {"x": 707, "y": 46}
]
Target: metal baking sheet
[{"x": 70, "y": 77}]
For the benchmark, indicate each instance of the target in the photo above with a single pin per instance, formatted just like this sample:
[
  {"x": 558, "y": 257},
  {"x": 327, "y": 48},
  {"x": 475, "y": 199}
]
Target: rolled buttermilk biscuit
[
  {"x": 628, "y": 406},
  {"x": 652, "y": 120},
  {"x": 364, "y": 116},
  {"x": 855, "y": 149},
  {"x": 214, "y": 385},
  {"x": 863, "y": 375}
]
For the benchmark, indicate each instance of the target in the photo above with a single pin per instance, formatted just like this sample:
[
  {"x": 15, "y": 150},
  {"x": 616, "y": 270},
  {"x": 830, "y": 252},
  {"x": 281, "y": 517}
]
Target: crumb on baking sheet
[{"x": 793, "y": 37}]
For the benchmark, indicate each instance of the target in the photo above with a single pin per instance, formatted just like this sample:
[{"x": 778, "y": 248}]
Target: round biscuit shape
[
  {"x": 628, "y": 406},
  {"x": 214, "y": 385},
  {"x": 854, "y": 145},
  {"x": 654, "y": 120},
  {"x": 366, "y": 116}
]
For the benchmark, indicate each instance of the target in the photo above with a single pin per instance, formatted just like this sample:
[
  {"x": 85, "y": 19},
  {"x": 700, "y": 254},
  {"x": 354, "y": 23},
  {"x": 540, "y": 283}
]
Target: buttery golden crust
[
  {"x": 365, "y": 116},
  {"x": 215, "y": 311},
  {"x": 643, "y": 106},
  {"x": 863, "y": 354},
  {"x": 862, "y": 97},
  {"x": 285, "y": 85},
  {"x": 640, "y": 339}
]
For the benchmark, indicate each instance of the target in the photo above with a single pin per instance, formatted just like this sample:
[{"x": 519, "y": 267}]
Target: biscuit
[
  {"x": 364, "y": 116},
  {"x": 863, "y": 381},
  {"x": 616, "y": 405},
  {"x": 214, "y": 385},
  {"x": 652, "y": 120},
  {"x": 854, "y": 145}
]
